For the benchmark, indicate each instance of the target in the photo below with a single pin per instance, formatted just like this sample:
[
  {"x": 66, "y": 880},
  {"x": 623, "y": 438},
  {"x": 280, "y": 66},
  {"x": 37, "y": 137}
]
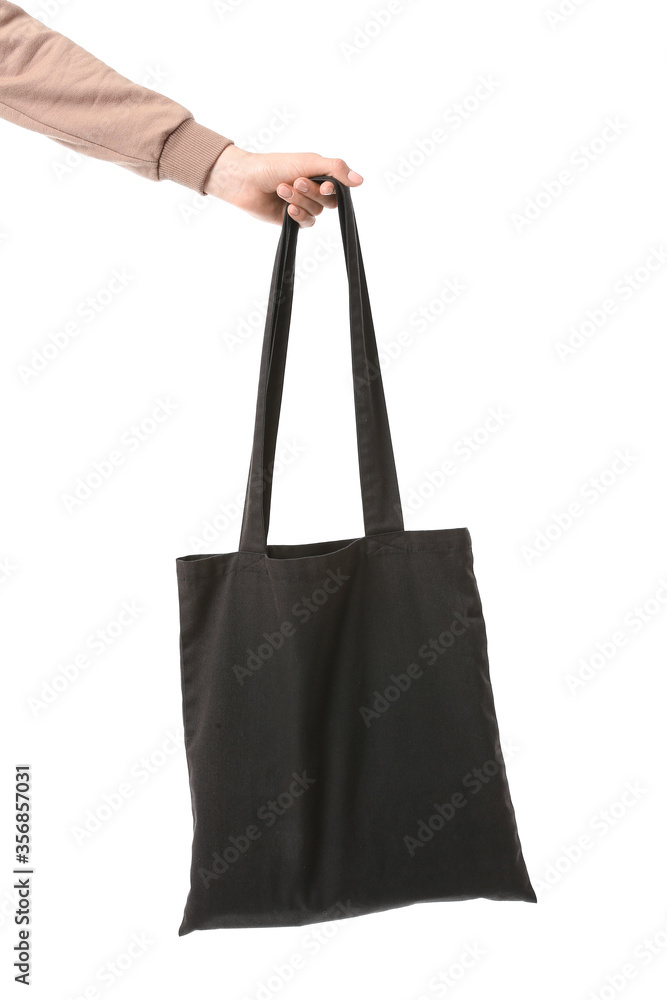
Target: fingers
[
  {"x": 321, "y": 195},
  {"x": 307, "y": 198},
  {"x": 301, "y": 207}
]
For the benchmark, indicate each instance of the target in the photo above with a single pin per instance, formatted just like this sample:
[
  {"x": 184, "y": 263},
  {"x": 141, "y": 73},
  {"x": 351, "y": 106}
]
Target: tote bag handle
[{"x": 377, "y": 469}]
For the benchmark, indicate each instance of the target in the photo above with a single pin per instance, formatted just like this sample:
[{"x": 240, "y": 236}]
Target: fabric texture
[
  {"x": 340, "y": 730},
  {"x": 51, "y": 85}
]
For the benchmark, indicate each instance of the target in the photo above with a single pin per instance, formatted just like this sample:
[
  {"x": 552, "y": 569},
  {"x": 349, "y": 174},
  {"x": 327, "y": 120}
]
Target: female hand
[{"x": 263, "y": 183}]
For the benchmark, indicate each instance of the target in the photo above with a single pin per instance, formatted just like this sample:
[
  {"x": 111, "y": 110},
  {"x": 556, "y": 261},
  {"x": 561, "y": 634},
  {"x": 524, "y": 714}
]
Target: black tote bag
[{"x": 340, "y": 728}]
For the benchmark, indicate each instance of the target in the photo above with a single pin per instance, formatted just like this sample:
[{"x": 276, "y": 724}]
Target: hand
[{"x": 263, "y": 183}]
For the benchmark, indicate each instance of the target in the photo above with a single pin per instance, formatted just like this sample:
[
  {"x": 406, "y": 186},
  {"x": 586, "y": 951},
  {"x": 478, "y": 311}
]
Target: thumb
[{"x": 313, "y": 164}]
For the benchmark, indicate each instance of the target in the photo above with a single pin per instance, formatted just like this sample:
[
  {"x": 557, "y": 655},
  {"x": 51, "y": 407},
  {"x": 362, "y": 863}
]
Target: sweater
[{"x": 51, "y": 85}]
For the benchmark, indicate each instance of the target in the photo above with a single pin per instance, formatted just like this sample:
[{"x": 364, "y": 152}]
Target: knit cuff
[{"x": 189, "y": 153}]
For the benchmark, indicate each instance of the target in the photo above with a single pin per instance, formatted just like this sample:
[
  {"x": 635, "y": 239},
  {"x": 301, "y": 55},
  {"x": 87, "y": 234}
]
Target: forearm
[{"x": 51, "y": 85}]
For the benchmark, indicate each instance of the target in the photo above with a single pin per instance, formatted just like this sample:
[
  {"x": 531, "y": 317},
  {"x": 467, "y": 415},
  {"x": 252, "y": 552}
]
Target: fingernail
[
  {"x": 354, "y": 176},
  {"x": 284, "y": 191},
  {"x": 301, "y": 186},
  {"x": 329, "y": 186}
]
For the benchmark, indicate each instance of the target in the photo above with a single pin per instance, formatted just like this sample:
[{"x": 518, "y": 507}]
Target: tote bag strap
[{"x": 377, "y": 469}]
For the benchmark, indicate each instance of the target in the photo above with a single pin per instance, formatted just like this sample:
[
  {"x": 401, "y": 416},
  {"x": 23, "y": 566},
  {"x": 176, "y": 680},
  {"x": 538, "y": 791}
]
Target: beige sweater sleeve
[{"x": 51, "y": 85}]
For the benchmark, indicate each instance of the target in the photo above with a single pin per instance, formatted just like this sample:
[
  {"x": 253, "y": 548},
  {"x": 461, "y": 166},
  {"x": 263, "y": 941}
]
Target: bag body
[{"x": 340, "y": 728}]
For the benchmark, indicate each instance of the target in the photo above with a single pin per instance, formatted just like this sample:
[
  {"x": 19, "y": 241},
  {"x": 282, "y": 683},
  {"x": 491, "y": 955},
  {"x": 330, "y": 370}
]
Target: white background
[{"x": 198, "y": 266}]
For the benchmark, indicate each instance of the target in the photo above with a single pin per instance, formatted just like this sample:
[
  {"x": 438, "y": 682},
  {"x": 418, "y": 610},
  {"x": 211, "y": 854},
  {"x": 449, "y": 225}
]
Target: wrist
[{"x": 227, "y": 173}]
